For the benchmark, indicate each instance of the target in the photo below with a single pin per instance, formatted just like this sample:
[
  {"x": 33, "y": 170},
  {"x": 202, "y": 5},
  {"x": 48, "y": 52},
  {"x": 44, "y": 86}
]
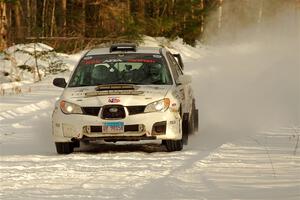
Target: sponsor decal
[
  {"x": 112, "y": 60},
  {"x": 141, "y": 60},
  {"x": 113, "y": 100},
  {"x": 92, "y": 62}
]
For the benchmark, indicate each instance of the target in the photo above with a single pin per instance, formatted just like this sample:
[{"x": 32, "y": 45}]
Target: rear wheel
[
  {"x": 64, "y": 147},
  {"x": 196, "y": 120},
  {"x": 185, "y": 128},
  {"x": 191, "y": 123},
  {"x": 174, "y": 145},
  {"x": 194, "y": 117}
]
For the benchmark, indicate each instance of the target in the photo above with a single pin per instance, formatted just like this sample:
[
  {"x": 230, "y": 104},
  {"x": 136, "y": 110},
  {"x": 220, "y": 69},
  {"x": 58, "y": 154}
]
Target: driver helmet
[
  {"x": 99, "y": 73},
  {"x": 154, "y": 71},
  {"x": 128, "y": 67}
]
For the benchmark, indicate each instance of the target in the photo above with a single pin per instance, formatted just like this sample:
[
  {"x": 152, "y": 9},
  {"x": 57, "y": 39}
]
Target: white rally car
[{"x": 125, "y": 93}]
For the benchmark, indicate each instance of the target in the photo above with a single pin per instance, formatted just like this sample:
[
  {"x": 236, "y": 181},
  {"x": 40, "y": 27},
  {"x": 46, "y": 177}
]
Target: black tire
[
  {"x": 185, "y": 128},
  {"x": 195, "y": 117},
  {"x": 174, "y": 145},
  {"x": 76, "y": 144},
  {"x": 196, "y": 120},
  {"x": 64, "y": 147},
  {"x": 191, "y": 123}
]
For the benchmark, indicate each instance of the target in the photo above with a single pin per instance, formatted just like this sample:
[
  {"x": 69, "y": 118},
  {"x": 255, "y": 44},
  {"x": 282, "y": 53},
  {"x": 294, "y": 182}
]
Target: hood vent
[
  {"x": 115, "y": 87},
  {"x": 113, "y": 92}
]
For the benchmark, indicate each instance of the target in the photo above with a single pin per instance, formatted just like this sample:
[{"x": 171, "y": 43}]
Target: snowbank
[
  {"x": 176, "y": 46},
  {"x": 18, "y": 63}
]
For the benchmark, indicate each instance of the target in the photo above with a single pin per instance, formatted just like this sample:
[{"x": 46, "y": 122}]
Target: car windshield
[{"x": 140, "y": 69}]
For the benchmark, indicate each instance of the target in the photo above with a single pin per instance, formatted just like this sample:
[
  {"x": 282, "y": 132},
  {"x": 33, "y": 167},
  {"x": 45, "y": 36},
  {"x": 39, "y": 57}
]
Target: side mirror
[
  {"x": 184, "y": 79},
  {"x": 60, "y": 82}
]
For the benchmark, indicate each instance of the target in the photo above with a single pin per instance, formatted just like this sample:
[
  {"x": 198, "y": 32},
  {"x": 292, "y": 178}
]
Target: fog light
[
  {"x": 159, "y": 128},
  {"x": 86, "y": 129}
]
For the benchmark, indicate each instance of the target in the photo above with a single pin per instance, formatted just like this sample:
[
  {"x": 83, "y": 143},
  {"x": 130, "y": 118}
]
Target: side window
[
  {"x": 174, "y": 66},
  {"x": 177, "y": 67}
]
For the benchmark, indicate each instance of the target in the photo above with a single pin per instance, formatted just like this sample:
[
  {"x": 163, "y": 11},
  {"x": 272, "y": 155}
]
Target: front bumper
[{"x": 144, "y": 126}]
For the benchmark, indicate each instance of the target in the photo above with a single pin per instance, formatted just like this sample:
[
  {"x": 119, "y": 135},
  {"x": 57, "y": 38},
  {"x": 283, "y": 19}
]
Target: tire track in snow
[
  {"x": 78, "y": 176},
  {"x": 25, "y": 124},
  {"x": 168, "y": 179},
  {"x": 22, "y": 112},
  {"x": 243, "y": 170}
]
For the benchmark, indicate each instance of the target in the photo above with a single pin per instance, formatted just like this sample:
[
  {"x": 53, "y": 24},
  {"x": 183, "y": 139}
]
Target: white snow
[
  {"x": 247, "y": 146},
  {"x": 23, "y": 55}
]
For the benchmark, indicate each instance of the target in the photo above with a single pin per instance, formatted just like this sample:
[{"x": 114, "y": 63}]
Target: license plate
[{"x": 113, "y": 127}]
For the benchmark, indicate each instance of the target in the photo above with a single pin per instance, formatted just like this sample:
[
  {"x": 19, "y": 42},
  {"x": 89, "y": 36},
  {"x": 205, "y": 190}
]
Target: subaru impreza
[{"x": 125, "y": 93}]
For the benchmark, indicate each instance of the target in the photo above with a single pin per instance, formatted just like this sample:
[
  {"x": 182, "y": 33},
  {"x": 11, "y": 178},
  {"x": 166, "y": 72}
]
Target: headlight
[
  {"x": 70, "y": 108},
  {"x": 158, "y": 106}
]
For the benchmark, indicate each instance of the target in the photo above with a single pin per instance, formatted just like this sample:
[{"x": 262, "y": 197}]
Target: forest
[{"x": 76, "y": 24}]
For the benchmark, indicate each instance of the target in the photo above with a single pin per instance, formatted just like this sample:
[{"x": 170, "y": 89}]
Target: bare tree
[
  {"x": 64, "y": 16},
  {"x": 83, "y": 4},
  {"x": 3, "y": 26},
  {"x": 53, "y": 22},
  {"x": 44, "y": 18},
  {"x": 18, "y": 20}
]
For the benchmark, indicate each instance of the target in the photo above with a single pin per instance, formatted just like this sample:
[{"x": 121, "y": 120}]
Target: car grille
[
  {"x": 133, "y": 110},
  {"x": 91, "y": 110},
  {"x": 131, "y": 128},
  {"x": 94, "y": 111},
  {"x": 96, "y": 129},
  {"x": 113, "y": 112}
]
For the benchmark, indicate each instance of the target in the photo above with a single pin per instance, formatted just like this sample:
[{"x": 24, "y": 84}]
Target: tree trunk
[
  {"x": 64, "y": 16},
  {"x": 33, "y": 17},
  {"x": 3, "y": 26},
  {"x": 83, "y": 18},
  {"x": 36, "y": 63},
  {"x": 43, "y": 18},
  {"x": 141, "y": 10},
  {"x": 202, "y": 16},
  {"x": 28, "y": 21},
  {"x": 53, "y": 24},
  {"x": 18, "y": 20}
]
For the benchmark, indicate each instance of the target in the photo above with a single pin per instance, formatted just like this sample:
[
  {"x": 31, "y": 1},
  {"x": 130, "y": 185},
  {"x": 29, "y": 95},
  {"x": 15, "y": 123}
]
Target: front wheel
[
  {"x": 64, "y": 147},
  {"x": 173, "y": 145}
]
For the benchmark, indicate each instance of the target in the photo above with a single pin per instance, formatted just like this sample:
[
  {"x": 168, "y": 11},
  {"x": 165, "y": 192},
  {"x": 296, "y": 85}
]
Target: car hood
[{"x": 136, "y": 95}]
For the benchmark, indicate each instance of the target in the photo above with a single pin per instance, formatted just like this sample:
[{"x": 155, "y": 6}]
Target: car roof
[{"x": 99, "y": 51}]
